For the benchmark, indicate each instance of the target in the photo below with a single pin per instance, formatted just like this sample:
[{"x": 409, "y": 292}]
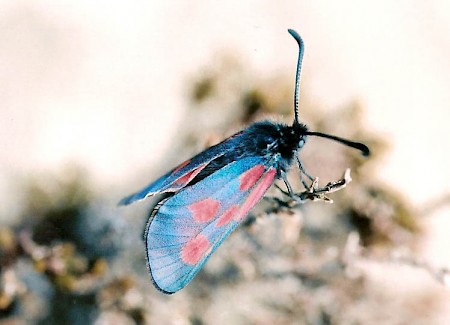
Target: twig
[{"x": 316, "y": 193}]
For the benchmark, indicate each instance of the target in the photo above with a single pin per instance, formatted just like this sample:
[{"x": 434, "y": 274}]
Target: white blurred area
[{"x": 101, "y": 83}]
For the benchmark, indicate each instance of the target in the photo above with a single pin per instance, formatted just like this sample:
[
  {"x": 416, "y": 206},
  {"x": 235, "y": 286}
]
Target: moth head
[{"x": 300, "y": 134}]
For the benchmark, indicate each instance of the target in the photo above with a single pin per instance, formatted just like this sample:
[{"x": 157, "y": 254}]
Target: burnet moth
[{"x": 208, "y": 195}]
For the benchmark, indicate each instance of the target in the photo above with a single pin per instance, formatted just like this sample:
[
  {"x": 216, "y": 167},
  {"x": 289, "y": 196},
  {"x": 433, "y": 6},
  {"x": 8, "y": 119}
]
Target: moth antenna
[
  {"x": 301, "y": 47},
  {"x": 357, "y": 145}
]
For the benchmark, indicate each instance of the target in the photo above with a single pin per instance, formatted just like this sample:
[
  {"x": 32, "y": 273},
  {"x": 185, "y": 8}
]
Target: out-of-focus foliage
[
  {"x": 55, "y": 262},
  {"x": 72, "y": 256}
]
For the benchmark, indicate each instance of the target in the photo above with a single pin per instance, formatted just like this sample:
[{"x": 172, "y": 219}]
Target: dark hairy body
[{"x": 267, "y": 139}]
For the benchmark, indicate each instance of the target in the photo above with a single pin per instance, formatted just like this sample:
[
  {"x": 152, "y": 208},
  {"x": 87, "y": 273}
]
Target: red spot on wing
[
  {"x": 204, "y": 210},
  {"x": 227, "y": 216},
  {"x": 190, "y": 175},
  {"x": 194, "y": 249},
  {"x": 256, "y": 194},
  {"x": 181, "y": 166},
  {"x": 250, "y": 177}
]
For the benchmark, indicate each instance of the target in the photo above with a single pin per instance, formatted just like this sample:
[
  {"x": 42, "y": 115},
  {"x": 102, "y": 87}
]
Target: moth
[{"x": 210, "y": 194}]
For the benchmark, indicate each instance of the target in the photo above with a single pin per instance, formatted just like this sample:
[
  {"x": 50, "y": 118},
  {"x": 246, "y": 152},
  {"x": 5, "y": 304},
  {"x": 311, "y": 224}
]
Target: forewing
[
  {"x": 180, "y": 176},
  {"x": 186, "y": 228}
]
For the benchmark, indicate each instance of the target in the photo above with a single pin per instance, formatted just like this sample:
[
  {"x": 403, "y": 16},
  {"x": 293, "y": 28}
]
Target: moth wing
[
  {"x": 180, "y": 176},
  {"x": 186, "y": 228}
]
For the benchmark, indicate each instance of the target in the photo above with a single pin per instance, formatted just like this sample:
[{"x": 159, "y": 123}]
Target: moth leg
[
  {"x": 279, "y": 204},
  {"x": 303, "y": 171},
  {"x": 281, "y": 190},
  {"x": 290, "y": 192}
]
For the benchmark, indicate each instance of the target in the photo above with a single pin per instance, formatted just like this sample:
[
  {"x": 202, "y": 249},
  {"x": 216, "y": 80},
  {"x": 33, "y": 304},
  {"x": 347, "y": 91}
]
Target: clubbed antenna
[
  {"x": 357, "y": 145},
  {"x": 301, "y": 47}
]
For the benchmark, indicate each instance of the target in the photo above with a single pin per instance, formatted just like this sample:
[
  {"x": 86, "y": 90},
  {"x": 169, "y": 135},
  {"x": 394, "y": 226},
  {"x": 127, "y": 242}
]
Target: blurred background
[{"x": 99, "y": 98}]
